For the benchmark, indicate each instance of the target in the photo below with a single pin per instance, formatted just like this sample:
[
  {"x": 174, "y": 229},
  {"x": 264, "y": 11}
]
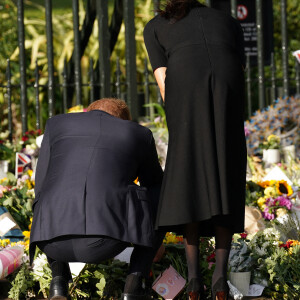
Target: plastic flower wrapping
[{"x": 240, "y": 259}]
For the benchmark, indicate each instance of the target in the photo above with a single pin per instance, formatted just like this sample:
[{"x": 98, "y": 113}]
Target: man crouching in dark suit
[{"x": 87, "y": 207}]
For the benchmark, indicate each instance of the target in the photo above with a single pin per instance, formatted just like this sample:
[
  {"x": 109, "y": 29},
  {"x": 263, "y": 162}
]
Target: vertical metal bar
[
  {"x": 248, "y": 81},
  {"x": 130, "y": 58},
  {"x": 297, "y": 66},
  {"x": 260, "y": 54},
  {"x": 159, "y": 98},
  {"x": 285, "y": 54},
  {"x": 77, "y": 51},
  {"x": 64, "y": 86},
  {"x": 156, "y": 5},
  {"x": 118, "y": 78},
  {"x": 273, "y": 77},
  {"x": 92, "y": 82},
  {"x": 37, "y": 96},
  {"x": 208, "y": 2},
  {"x": 104, "y": 51},
  {"x": 233, "y": 8},
  {"x": 8, "y": 93},
  {"x": 21, "y": 43},
  {"x": 49, "y": 33},
  {"x": 146, "y": 85}
]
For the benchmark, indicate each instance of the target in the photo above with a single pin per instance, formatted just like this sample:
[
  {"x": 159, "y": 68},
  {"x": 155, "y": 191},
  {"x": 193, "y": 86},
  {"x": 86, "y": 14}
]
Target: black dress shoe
[
  {"x": 58, "y": 288},
  {"x": 135, "y": 297}
]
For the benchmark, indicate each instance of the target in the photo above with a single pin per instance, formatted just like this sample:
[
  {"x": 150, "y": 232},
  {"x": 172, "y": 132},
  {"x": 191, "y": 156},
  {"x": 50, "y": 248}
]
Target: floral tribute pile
[
  {"x": 282, "y": 116},
  {"x": 272, "y": 255}
]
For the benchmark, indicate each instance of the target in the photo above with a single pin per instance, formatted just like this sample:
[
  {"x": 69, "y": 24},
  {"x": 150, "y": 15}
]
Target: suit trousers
[{"x": 95, "y": 249}]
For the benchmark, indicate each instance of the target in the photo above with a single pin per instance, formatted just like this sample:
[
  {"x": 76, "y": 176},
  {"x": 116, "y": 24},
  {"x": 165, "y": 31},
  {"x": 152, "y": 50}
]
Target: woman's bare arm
[{"x": 160, "y": 75}]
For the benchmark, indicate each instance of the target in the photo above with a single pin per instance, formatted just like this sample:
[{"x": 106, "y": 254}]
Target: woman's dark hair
[{"x": 177, "y": 9}]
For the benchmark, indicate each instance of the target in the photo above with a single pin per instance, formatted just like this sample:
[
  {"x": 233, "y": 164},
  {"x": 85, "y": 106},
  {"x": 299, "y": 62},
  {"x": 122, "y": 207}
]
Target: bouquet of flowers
[
  {"x": 28, "y": 142},
  {"x": 272, "y": 142},
  {"x": 240, "y": 259},
  {"x": 6, "y": 149},
  {"x": 275, "y": 199}
]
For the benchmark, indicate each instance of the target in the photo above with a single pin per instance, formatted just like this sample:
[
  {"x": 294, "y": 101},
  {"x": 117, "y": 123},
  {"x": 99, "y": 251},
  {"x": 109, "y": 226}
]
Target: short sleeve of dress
[{"x": 155, "y": 50}]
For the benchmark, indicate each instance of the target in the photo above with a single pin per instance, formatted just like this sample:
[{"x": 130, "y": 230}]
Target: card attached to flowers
[{"x": 169, "y": 284}]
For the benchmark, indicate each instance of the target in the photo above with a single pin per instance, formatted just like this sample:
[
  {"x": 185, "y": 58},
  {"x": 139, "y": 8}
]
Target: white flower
[
  {"x": 39, "y": 264},
  {"x": 4, "y": 135}
]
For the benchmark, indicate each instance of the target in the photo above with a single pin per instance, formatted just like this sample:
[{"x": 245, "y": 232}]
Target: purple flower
[{"x": 247, "y": 131}]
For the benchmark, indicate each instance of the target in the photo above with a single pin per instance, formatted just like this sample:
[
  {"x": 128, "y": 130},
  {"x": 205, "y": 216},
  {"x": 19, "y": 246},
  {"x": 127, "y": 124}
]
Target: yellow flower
[
  {"x": 26, "y": 234},
  {"x": 4, "y": 242},
  {"x": 3, "y": 180},
  {"x": 171, "y": 238},
  {"x": 29, "y": 226},
  {"x": 270, "y": 192},
  {"x": 264, "y": 184},
  {"x": 273, "y": 137},
  {"x": 261, "y": 202},
  {"x": 30, "y": 172},
  {"x": 283, "y": 187},
  {"x": 75, "y": 109}
]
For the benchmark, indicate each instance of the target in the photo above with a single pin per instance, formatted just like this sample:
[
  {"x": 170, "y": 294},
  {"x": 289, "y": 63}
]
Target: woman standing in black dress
[{"x": 197, "y": 57}]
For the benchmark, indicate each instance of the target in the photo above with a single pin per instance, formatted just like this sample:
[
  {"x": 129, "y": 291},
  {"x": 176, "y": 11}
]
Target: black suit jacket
[{"x": 84, "y": 179}]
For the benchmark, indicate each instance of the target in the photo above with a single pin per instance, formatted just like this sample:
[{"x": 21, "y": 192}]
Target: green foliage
[{"x": 22, "y": 284}]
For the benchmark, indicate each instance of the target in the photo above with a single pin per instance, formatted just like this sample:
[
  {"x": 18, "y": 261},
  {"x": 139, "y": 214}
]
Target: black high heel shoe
[
  {"x": 195, "y": 289},
  {"x": 220, "y": 290}
]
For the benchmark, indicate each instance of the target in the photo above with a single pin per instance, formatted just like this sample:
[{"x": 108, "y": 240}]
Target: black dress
[{"x": 204, "y": 101}]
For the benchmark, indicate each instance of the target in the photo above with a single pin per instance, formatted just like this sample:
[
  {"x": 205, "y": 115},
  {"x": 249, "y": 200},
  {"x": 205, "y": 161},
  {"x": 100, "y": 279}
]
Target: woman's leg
[
  {"x": 223, "y": 244},
  {"x": 191, "y": 244}
]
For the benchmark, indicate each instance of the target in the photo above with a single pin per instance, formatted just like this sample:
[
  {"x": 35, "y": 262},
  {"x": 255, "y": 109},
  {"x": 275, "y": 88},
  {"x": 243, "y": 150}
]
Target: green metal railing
[{"x": 99, "y": 83}]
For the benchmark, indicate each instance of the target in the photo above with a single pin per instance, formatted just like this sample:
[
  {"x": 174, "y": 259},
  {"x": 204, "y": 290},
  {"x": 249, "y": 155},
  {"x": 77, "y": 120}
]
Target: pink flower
[{"x": 247, "y": 131}]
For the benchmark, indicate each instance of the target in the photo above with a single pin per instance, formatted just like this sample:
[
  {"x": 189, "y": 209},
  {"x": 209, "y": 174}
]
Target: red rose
[
  {"x": 25, "y": 138},
  {"x": 39, "y": 131},
  {"x": 243, "y": 235},
  {"x": 211, "y": 258},
  {"x": 31, "y": 132},
  {"x": 1, "y": 142}
]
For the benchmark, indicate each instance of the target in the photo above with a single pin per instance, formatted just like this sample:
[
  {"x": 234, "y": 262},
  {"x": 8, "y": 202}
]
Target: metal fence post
[
  {"x": 260, "y": 54},
  {"x": 21, "y": 43},
  {"x": 208, "y": 2},
  {"x": 248, "y": 81},
  {"x": 146, "y": 85},
  {"x": 273, "y": 77},
  {"x": 285, "y": 54},
  {"x": 156, "y": 5},
  {"x": 104, "y": 51},
  {"x": 118, "y": 78},
  {"x": 64, "y": 86},
  {"x": 92, "y": 82},
  {"x": 130, "y": 58},
  {"x": 233, "y": 8},
  {"x": 77, "y": 51},
  {"x": 49, "y": 33},
  {"x": 297, "y": 66},
  {"x": 8, "y": 94},
  {"x": 37, "y": 96}
]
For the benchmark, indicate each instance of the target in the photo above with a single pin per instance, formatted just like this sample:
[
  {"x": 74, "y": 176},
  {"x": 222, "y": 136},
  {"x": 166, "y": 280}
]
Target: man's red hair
[{"x": 115, "y": 107}]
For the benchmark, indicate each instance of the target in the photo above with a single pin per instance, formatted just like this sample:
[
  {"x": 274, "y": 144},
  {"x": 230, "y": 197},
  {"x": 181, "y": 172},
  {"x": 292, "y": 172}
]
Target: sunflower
[{"x": 283, "y": 187}]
